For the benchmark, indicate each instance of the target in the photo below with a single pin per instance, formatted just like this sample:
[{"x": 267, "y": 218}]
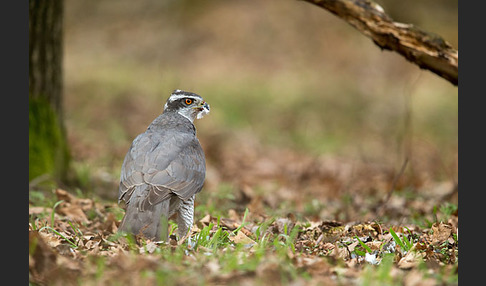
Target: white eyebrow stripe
[{"x": 174, "y": 97}]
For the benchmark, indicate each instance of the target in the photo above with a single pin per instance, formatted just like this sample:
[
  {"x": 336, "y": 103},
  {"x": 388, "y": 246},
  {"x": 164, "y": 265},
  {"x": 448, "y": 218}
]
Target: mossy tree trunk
[{"x": 48, "y": 152}]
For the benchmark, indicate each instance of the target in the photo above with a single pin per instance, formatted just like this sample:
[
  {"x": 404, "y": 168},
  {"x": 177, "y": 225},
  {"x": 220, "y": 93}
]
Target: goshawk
[{"x": 164, "y": 169}]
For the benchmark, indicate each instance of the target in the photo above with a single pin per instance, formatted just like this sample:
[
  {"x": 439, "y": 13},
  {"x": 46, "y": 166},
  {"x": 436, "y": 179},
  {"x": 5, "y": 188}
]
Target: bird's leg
[{"x": 185, "y": 217}]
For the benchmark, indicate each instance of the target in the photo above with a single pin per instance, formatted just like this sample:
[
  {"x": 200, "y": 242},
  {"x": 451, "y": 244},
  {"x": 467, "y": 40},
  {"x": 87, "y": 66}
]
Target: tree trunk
[{"x": 48, "y": 153}]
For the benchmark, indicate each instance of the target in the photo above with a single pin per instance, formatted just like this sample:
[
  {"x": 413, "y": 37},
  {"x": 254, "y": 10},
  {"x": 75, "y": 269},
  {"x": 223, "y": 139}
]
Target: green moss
[{"x": 48, "y": 151}]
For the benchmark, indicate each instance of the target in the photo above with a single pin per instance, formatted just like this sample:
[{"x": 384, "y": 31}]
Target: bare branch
[{"x": 427, "y": 50}]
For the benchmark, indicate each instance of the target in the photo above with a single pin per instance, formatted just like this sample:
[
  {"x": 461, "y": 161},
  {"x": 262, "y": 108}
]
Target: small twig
[
  {"x": 381, "y": 206},
  {"x": 395, "y": 181}
]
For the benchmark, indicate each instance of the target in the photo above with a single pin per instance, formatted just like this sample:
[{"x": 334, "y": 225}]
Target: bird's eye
[{"x": 188, "y": 101}]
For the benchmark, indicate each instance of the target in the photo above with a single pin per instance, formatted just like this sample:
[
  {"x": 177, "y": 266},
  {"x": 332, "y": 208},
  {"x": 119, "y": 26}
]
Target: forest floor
[{"x": 349, "y": 224}]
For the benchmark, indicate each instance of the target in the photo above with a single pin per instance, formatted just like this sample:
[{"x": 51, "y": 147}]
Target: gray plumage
[{"x": 164, "y": 169}]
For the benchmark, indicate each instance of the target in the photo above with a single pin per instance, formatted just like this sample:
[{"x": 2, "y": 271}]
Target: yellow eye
[{"x": 188, "y": 101}]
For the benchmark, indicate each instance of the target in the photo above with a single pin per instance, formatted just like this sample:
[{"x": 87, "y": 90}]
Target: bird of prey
[{"x": 164, "y": 169}]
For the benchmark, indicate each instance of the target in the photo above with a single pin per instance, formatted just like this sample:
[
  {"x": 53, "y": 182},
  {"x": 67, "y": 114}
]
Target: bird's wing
[
  {"x": 167, "y": 164},
  {"x": 131, "y": 174}
]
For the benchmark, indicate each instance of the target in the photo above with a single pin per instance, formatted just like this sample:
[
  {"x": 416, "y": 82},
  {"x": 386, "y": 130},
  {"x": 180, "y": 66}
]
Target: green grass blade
[
  {"x": 243, "y": 222},
  {"x": 397, "y": 239},
  {"x": 359, "y": 252},
  {"x": 54, "y": 211},
  {"x": 76, "y": 230},
  {"x": 368, "y": 249},
  {"x": 73, "y": 245}
]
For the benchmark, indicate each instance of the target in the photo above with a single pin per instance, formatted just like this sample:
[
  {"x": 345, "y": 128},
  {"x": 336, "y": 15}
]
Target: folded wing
[{"x": 168, "y": 165}]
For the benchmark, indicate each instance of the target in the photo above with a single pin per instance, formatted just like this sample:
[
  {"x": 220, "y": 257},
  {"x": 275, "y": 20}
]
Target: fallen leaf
[
  {"x": 84, "y": 204},
  {"x": 410, "y": 260},
  {"x": 73, "y": 212},
  {"x": 39, "y": 210},
  {"x": 441, "y": 232},
  {"x": 229, "y": 223},
  {"x": 241, "y": 238},
  {"x": 65, "y": 196},
  {"x": 204, "y": 221},
  {"x": 50, "y": 239}
]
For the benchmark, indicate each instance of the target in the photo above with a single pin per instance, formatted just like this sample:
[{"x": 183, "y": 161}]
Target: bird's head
[{"x": 187, "y": 104}]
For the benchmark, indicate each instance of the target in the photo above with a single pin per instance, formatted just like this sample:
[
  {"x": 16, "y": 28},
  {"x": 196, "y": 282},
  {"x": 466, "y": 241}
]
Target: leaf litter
[
  {"x": 312, "y": 222},
  {"x": 83, "y": 239}
]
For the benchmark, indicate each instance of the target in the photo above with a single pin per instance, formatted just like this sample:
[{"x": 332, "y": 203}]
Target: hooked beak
[{"x": 203, "y": 109}]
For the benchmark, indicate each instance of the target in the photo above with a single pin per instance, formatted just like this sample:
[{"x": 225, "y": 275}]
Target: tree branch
[{"x": 427, "y": 50}]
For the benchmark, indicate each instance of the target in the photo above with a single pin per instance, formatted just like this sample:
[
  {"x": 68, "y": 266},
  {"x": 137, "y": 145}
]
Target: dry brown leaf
[
  {"x": 39, "y": 210},
  {"x": 229, "y": 223},
  {"x": 65, "y": 196},
  {"x": 50, "y": 239},
  {"x": 340, "y": 253},
  {"x": 204, "y": 221},
  {"x": 84, "y": 204},
  {"x": 441, "y": 232},
  {"x": 410, "y": 260},
  {"x": 73, "y": 212},
  {"x": 241, "y": 238},
  {"x": 364, "y": 229}
]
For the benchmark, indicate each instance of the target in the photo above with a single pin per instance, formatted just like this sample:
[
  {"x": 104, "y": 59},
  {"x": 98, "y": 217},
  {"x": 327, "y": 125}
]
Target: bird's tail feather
[{"x": 151, "y": 223}]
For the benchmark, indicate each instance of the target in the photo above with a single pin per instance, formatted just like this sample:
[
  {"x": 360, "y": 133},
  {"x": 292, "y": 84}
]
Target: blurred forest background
[{"x": 305, "y": 110}]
